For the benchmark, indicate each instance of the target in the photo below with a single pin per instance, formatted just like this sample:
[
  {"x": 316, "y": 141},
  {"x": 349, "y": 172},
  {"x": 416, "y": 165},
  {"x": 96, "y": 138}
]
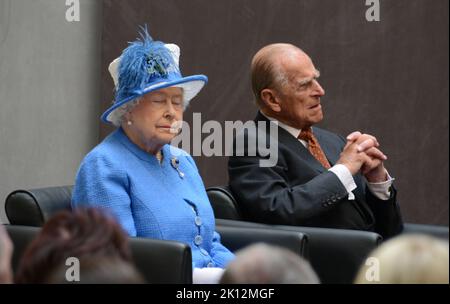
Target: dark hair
[{"x": 78, "y": 233}]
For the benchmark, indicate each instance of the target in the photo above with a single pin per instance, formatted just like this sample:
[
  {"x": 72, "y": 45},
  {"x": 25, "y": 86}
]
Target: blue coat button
[
  {"x": 198, "y": 240},
  {"x": 198, "y": 221}
]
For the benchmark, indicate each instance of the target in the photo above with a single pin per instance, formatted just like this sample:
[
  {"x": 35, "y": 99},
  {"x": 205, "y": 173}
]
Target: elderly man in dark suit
[{"x": 320, "y": 179}]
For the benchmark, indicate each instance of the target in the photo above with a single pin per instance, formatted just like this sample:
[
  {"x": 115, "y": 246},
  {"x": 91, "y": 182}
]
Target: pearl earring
[{"x": 129, "y": 123}]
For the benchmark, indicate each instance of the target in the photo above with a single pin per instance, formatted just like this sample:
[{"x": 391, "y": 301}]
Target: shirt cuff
[
  {"x": 382, "y": 190},
  {"x": 346, "y": 178}
]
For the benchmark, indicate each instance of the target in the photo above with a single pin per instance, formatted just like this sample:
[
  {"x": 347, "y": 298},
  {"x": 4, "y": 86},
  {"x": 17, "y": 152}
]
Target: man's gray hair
[
  {"x": 266, "y": 72},
  {"x": 266, "y": 264}
]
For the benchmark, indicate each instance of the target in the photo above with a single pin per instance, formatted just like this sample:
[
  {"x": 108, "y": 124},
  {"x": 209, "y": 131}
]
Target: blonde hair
[{"x": 408, "y": 259}]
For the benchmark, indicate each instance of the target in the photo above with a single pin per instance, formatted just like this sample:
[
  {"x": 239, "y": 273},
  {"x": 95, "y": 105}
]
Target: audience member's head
[
  {"x": 6, "y": 250},
  {"x": 82, "y": 233},
  {"x": 407, "y": 259},
  {"x": 265, "y": 264},
  {"x": 98, "y": 270}
]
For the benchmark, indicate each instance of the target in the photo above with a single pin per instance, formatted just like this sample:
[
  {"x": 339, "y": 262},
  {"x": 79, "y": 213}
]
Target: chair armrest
[
  {"x": 235, "y": 238},
  {"x": 34, "y": 207},
  {"x": 431, "y": 230}
]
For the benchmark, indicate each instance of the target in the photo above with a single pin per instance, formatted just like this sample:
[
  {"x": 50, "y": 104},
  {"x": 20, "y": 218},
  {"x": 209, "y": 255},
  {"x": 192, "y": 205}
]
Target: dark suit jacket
[{"x": 298, "y": 190}]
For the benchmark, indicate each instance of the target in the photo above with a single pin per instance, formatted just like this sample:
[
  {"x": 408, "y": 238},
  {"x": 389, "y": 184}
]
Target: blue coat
[{"x": 150, "y": 199}]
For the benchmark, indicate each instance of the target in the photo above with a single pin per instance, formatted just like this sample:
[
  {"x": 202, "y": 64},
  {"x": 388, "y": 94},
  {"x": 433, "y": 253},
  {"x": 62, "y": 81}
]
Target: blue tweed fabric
[{"x": 150, "y": 199}]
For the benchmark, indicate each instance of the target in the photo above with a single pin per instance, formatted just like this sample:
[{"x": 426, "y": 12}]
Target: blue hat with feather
[{"x": 145, "y": 66}]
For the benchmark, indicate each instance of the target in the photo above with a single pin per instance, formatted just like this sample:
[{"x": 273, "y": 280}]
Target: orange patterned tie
[{"x": 314, "y": 147}]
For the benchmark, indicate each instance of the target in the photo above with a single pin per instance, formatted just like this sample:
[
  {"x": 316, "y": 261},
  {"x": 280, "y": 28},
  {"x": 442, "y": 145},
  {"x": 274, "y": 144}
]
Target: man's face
[{"x": 299, "y": 98}]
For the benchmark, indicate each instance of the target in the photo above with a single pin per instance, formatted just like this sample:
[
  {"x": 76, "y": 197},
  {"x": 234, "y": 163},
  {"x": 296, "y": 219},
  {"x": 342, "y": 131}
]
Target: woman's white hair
[{"x": 118, "y": 115}]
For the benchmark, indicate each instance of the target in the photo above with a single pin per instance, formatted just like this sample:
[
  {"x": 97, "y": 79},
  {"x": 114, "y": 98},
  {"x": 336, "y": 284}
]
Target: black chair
[
  {"x": 26, "y": 209},
  {"x": 158, "y": 261},
  {"x": 335, "y": 254}
]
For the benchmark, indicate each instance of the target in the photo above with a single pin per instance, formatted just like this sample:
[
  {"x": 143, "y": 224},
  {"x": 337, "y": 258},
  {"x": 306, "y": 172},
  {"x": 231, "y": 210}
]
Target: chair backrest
[
  {"x": 34, "y": 207},
  {"x": 223, "y": 203},
  {"x": 335, "y": 254},
  {"x": 161, "y": 261},
  {"x": 158, "y": 261}
]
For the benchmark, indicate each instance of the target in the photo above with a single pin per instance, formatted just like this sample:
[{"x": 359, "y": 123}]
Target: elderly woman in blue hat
[{"x": 153, "y": 189}]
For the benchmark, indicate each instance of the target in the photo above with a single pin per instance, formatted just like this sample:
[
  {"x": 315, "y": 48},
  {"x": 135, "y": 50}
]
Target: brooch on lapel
[{"x": 175, "y": 164}]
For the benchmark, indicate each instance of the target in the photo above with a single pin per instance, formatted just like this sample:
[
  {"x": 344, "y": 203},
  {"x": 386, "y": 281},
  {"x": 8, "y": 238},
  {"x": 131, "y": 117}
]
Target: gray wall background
[
  {"x": 387, "y": 78},
  {"x": 49, "y": 92}
]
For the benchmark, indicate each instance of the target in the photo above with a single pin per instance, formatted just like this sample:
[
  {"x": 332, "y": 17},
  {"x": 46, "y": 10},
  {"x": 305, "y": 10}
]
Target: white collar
[{"x": 293, "y": 131}]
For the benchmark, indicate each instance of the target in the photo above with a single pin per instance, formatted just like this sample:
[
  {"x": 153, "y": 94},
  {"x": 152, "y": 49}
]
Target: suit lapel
[{"x": 294, "y": 145}]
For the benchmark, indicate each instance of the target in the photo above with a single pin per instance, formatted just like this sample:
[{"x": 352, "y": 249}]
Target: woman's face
[{"x": 154, "y": 117}]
